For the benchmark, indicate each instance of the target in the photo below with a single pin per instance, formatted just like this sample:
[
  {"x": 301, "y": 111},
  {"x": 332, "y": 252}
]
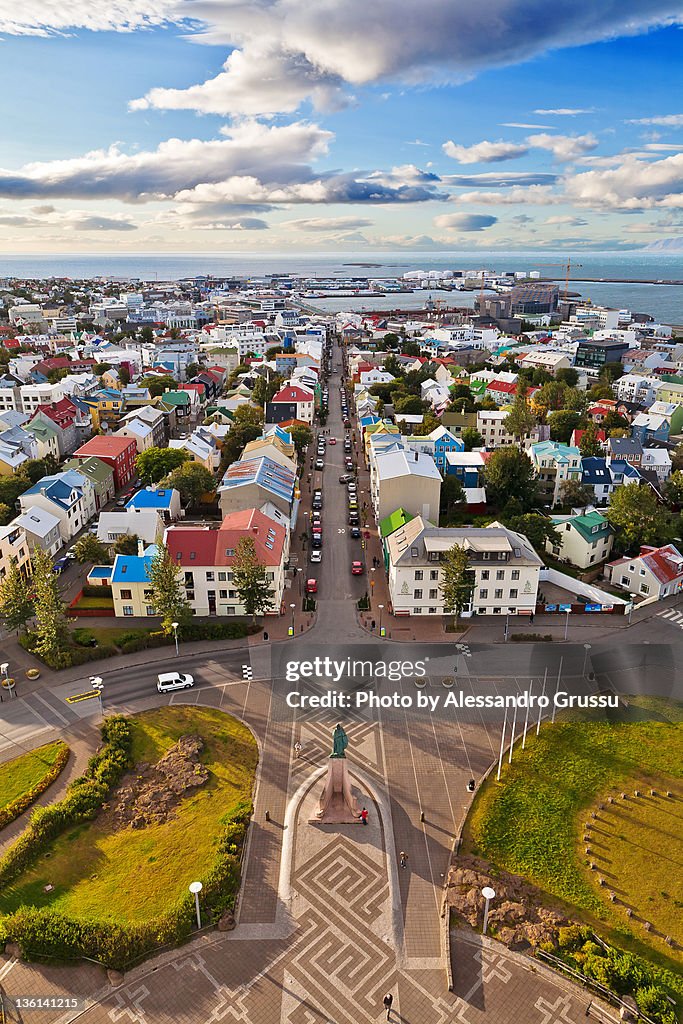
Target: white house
[{"x": 655, "y": 572}]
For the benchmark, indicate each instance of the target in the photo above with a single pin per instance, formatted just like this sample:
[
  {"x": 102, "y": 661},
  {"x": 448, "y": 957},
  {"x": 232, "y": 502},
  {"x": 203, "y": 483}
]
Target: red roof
[
  {"x": 63, "y": 413},
  {"x": 192, "y": 545},
  {"x": 204, "y": 545},
  {"x": 666, "y": 563},
  {"x": 505, "y": 386},
  {"x": 199, "y": 388},
  {"x": 105, "y": 447},
  {"x": 578, "y": 434},
  {"x": 292, "y": 393}
]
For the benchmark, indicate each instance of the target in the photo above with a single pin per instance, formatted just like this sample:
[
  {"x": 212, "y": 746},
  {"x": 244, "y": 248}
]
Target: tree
[
  {"x": 147, "y": 334},
  {"x": 156, "y": 463},
  {"x": 673, "y": 488},
  {"x": 573, "y": 492},
  {"x": 536, "y": 528},
  {"x": 264, "y": 389},
  {"x": 157, "y": 385},
  {"x": 452, "y": 492},
  {"x": 551, "y": 396},
  {"x": 392, "y": 366},
  {"x": 191, "y": 370},
  {"x": 411, "y": 405},
  {"x": 568, "y": 375},
  {"x": 250, "y": 579},
  {"x": 410, "y": 348},
  {"x": 509, "y": 476},
  {"x": 457, "y": 581},
  {"x": 50, "y": 634},
  {"x": 191, "y": 480},
  {"x": 471, "y": 438},
  {"x": 302, "y": 437},
  {"x": 124, "y": 375},
  {"x": 36, "y": 469},
  {"x": 126, "y": 544},
  {"x": 168, "y": 596},
  {"x": 563, "y": 424},
  {"x": 638, "y": 518},
  {"x": 589, "y": 445},
  {"x": 677, "y": 457},
  {"x": 88, "y": 549},
  {"x": 100, "y": 368},
  {"x": 611, "y": 372},
  {"x": 16, "y": 604},
  {"x": 429, "y": 422},
  {"x": 613, "y": 421},
  {"x": 599, "y": 392},
  {"x": 391, "y": 341}
]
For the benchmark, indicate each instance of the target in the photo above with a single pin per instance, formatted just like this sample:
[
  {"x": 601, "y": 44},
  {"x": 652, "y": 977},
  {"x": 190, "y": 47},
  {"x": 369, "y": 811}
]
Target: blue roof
[
  {"x": 151, "y": 499},
  {"x": 595, "y": 470},
  {"x": 131, "y": 569},
  {"x": 59, "y": 487}
]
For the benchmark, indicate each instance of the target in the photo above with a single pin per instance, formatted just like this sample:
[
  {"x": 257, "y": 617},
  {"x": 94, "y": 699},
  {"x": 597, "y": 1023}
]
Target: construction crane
[{"x": 567, "y": 268}]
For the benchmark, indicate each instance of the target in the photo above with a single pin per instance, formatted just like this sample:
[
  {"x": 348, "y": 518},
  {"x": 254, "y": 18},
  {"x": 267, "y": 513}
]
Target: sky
[{"x": 340, "y": 125}]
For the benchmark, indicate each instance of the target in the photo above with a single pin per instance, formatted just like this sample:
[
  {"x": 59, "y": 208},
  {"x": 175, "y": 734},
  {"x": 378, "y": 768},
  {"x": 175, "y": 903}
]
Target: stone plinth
[{"x": 338, "y": 805}]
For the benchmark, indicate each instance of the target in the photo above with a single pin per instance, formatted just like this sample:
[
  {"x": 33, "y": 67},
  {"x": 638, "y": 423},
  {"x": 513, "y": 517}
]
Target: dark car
[{"x": 354, "y": 533}]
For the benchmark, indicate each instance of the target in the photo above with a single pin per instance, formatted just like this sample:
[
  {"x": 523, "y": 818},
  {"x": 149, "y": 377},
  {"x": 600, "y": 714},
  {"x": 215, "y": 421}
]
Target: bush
[
  {"x": 83, "y": 637},
  {"x": 525, "y": 638},
  {"x": 91, "y": 591},
  {"x": 10, "y": 811}
]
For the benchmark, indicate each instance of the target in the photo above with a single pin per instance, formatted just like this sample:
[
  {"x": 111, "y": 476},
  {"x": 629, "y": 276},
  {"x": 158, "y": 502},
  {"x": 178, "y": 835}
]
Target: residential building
[
  {"x": 64, "y": 495},
  {"x": 164, "y": 500},
  {"x": 42, "y": 530},
  {"x": 291, "y": 402},
  {"x": 545, "y": 359},
  {"x": 152, "y": 416},
  {"x": 46, "y": 438},
  {"x": 17, "y": 446},
  {"x": 438, "y": 444},
  {"x": 505, "y": 569},
  {"x": 593, "y": 354},
  {"x": 139, "y": 431},
  {"x": 624, "y": 449},
  {"x": 117, "y": 452},
  {"x": 585, "y": 538},
  {"x": 146, "y": 524},
  {"x": 101, "y": 476},
  {"x": 555, "y": 464},
  {"x": 648, "y": 427},
  {"x": 130, "y": 584},
  {"x": 14, "y": 550},
  {"x": 253, "y": 482},
  {"x": 653, "y": 573},
  {"x": 405, "y": 479}
]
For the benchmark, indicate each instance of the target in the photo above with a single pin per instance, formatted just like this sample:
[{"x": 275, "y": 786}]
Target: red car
[
  {"x": 311, "y": 586},
  {"x": 357, "y": 568},
  {"x": 332, "y": 440}
]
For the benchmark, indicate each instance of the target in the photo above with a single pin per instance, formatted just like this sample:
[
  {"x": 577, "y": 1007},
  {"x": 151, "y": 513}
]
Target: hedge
[
  {"x": 83, "y": 799},
  {"x": 192, "y": 632},
  {"x": 103, "y": 590},
  {"x": 12, "y": 810},
  {"x": 70, "y": 656},
  {"x": 49, "y": 933}
]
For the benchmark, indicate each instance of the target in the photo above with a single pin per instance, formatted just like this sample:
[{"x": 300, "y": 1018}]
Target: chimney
[
  {"x": 254, "y": 529},
  {"x": 141, "y": 547}
]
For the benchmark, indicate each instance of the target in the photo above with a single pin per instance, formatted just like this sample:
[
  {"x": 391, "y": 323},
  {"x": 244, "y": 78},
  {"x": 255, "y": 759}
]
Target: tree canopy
[
  {"x": 191, "y": 480},
  {"x": 156, "y": 463},
  {"x": 638, "y": 518},
  {"x": 509, "y": 476}
]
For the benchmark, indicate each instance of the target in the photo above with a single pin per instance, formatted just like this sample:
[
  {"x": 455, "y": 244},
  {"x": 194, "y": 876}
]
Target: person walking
[
  {"x": 297, "y": 749},
  {"x": 388, "y": 1000},
  {"x": 364, "y": 815},
  {"x": 403, "y": 858}
]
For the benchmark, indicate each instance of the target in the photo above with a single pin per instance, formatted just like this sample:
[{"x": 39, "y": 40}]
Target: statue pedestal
[{"x": 338, "y": 805}]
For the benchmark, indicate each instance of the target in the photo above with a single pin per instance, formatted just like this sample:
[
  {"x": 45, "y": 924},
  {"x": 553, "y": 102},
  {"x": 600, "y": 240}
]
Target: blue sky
[{"x": 185, "y": 125}]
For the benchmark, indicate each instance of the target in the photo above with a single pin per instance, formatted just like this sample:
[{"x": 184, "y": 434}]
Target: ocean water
[{"x": 665, "y": 302}]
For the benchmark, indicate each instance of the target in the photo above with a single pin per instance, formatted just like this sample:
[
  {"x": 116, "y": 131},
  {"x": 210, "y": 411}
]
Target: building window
[
  {"x": 644, "y": 589},
  {"x": 515, "y": 574},
  {"x": 498, "y": 595},
  {"x": 150, "y": 610},
  {"x": 190, "y": 595},
  {"x": 189, "y": 579},
  {"x": 417, "y": 594},
  {"x": 500, "y": 574},
  {"x": 485, "y": 574},
  {"x": 126, "y": 595},
  {"x": 434, "y": 574},
  {"x": 222, "y": 577},
  {"x": 209, "y": 577},
  {"x": 223, "y": 595},
  {"x": 419, "y": 574},
  {"x": 432, "y": 611},
  {"x": 417, "y": 611},
  {"x": 433, "y": 594},
  {"x": 513, "y": 594},
  {"x": 483, "y": 594},
  {"x": 127, "y": 609}
]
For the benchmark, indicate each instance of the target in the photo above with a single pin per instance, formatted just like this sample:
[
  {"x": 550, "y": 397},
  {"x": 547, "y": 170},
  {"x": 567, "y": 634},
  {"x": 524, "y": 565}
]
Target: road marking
[
  {"x": 247, "y": 673},
  {"x": 77, "y": 697},
  {"x": 54, "y": 711}
]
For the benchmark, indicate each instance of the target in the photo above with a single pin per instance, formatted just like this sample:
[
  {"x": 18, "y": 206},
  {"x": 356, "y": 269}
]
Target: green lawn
[
  {"x": 26, "y": 771},
  {"x": 531, "y": 822},
  {"x": 132, "y": 876}
]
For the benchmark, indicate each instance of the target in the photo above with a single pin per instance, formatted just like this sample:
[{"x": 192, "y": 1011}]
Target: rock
[
  {"x": 226, "y": 922},
  {"x": 115, "y": 978},
  {"x": 13, "y": 949}
]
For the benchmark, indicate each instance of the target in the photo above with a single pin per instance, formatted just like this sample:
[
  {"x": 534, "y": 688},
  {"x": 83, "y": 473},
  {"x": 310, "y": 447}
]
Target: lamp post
[
  {"x": 586, "y": 648},
  {"x": 195, "y": 889},
  {"x": 630, "y": 607},
  {"x": 372, "y": 583},
  {"x": 175, "y": 635},
  {"x": 381, "y": 609},
  {"x": 507, "y": 622},
  {"x": 293, "y": 607},
  {"x": 488, "y": 893},
  {"x": 97, "y": 684},
  {"x": 566, "y": 623}
]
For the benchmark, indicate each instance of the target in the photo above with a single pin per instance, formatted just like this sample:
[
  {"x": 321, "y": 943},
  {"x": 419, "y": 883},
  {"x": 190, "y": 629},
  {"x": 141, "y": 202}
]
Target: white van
[{"x": 168, "y": 681}]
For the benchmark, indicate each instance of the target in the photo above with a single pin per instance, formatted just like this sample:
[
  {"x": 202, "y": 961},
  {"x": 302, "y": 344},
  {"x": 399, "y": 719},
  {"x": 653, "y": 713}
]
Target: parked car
[
  {"x": 311, "y": 586},
  {"x": 333, "y": 440},
  {"x": 169, "y": 681},
  {"x": 316, "y": 541},
  {"x": 319, "y": 464},
  {"x": 354, "y": 533},
  {"x": 345, "y": 477},
  {"x": 60, "y": 565},
  {"x": 316, "y": 556},
  {"x": 357, "y": 568}
]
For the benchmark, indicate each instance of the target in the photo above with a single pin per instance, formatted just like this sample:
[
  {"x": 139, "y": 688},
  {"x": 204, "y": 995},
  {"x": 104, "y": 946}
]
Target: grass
[
  {"x": 27, "y": 771},
  {"x": 531, "y": 822},
  {"x": 132, "y": 876},
  {"x": 95, "y": 602}
]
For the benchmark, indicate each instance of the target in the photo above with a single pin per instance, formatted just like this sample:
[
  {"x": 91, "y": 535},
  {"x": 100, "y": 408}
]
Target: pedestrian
[
  {"x": 388, "y": 1000},
  {"x": 531, "y": 617},
  {"x": 403, "y": 857},
  {"x": 364, "y": 815},
  {"x": 297, "y": 749}
]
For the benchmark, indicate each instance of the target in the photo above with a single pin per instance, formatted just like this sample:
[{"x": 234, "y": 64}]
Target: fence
[{"x": 593, "y": 986}]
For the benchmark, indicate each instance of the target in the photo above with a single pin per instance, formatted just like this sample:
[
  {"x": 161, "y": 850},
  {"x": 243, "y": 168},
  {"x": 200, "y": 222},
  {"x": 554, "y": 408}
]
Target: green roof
[
  {"x": 176, "y": 398},
  {"x": 394, "y": 522},
  {"x": 41, "y": 429},
  {"x": 93, "y": 467},
  {"x": 590, "y": 525}
]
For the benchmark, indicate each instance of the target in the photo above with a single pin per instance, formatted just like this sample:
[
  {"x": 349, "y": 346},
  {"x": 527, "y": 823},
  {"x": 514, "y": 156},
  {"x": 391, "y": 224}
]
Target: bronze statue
[{"x": 340, "y": 742}]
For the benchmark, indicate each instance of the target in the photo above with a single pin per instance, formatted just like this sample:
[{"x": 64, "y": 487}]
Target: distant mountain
[{"x": 665, "y": 245}]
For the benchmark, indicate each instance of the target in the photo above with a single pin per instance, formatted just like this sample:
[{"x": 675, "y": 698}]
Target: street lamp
[
  {"x": 195, "y": 889},
  {"x": 586, "y": 648},
  {"x": 566, "y": 623},
  {"x": 488, "y": 893},
  {"x": 381, "y": 609},
  {"x": 630, "y": 608},
  {"x": 292, "y": 606},
  {"x": 175, "y": 634},
  {"x": 97, "y": 684}
]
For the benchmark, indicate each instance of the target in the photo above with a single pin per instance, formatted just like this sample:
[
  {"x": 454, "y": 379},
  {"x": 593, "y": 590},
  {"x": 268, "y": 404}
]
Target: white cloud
[
  {"x": 70, "y": 220},
  {"x": 464, "y": 221},
  {"x": 664, "y": 147},
  {"x": 564, "y": 111},
  {"x": 534, "y": 195},
  {"x": 484, "y": 152},
  {"x": 521, "y": 124},
  {"x": 564, "y": 147},
  {"x": 327, "y": 223},
  {"x": 664, "y": 120},
  {"x": 48, "y": 17},
  {"x": 505, "y": 179},
  {"x": 574, "y": 222},
  {"x": 634, "y": 185}
]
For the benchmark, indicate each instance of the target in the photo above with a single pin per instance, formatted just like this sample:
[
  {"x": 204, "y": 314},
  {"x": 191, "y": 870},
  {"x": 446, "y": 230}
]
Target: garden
[
  {"x": 25, "y": 778},
  {"x": 590, "y": 815},
  {"x": 105, "y": 872}
]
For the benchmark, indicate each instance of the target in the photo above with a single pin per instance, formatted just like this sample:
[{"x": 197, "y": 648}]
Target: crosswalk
[{"x": 672, "y": 616}]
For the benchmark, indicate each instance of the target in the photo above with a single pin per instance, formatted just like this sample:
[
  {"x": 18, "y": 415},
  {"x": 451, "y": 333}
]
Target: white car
[
  {"x": 316, "y": 555},
  {"x": 169, "y": 681}
]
